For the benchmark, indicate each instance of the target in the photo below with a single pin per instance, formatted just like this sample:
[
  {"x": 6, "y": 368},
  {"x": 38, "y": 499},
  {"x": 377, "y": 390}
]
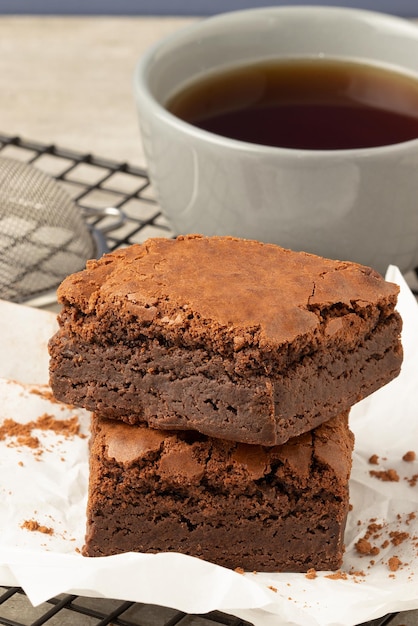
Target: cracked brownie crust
[
  {"x": 280, "y": 508},
  {"x": 233, "y": 338}
]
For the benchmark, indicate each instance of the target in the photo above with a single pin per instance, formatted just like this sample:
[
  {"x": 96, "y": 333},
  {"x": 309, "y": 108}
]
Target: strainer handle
[{"x": 114, "y": 212}]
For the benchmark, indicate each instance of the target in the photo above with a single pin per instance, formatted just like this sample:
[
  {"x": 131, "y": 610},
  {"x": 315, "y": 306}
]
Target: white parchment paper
[{"x": 48, "y": 485}]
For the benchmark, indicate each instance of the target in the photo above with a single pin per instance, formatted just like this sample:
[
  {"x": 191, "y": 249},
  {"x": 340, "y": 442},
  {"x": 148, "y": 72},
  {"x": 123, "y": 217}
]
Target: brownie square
[
  {"x": 280, "y": 508},
  {"x": 229, "y": 337}
]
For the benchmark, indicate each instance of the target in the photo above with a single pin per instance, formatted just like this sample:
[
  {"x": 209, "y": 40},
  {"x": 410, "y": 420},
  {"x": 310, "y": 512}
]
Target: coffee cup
[{"x": 344, "y": 201}]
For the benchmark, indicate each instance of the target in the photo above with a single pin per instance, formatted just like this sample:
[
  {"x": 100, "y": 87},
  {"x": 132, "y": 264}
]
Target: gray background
[{"x": 404, "y": 8}]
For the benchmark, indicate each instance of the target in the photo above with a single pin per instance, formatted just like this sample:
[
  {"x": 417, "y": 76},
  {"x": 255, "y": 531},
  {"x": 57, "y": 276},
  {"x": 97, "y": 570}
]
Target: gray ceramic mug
[{"x": 355, "y": 204}]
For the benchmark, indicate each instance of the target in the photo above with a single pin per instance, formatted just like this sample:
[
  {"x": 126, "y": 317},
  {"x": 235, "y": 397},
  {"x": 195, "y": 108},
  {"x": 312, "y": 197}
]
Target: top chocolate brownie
[{"x": 233, "y": 338}]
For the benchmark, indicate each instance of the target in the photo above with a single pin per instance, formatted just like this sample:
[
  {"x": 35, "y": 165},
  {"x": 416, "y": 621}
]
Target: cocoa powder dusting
[
  {"x": 22, "y": 433},
  {"x": 23, "y": 436},
  {"x": 35, "y": 526},
  {"x": 67, "y": 428},
  {"x": 46, "y": 394},
  {"x": 339, "y": 575}
]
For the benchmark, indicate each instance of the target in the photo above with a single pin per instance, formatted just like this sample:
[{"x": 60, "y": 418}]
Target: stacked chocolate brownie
[{"x": 221, "y": 373}]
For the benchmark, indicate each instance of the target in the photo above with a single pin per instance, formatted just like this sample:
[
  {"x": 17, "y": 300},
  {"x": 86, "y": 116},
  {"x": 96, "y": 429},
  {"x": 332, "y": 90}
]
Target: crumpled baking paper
[{"x": 48, "y": 485}]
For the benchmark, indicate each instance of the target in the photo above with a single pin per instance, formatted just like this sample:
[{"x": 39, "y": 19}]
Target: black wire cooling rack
[{"x": 97, "y": 183}]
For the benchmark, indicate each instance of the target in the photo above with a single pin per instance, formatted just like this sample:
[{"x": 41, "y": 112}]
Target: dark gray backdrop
[{"x": 404, "y": 8}]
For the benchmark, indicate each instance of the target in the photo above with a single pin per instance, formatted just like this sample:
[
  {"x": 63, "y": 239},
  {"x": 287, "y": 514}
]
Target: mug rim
[{"x": 143, "y": 93}]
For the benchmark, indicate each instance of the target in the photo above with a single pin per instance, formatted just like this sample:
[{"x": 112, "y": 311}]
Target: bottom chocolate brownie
[{"x": 282, "y": 508}]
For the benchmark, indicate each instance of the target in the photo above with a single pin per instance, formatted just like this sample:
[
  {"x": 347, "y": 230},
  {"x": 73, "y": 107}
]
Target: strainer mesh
[{"x": 43, "y": 236}]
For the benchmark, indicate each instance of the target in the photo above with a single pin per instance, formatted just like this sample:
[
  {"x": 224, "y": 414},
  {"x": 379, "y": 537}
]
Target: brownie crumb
[
  {"x": 409, "y": 456},
  {"x": 373, "y": 529},
  {"x": 411, "y": 516},
  {"x": 397, "y": 537},
  {"x": 394, "y": 563},
  {"x": 388, "y": 537},
  {"x": 374, "y": 459},
  {"x": 35, "y": 526},
  {"x": 413, "y": 480},
  {"x": 390, "y": 475},
  {"x": 273, "y": 588},
  {"x": 311, "y": 574},
  {"x": 239, "y": 570},
  {"x": 363, "y": 546}
]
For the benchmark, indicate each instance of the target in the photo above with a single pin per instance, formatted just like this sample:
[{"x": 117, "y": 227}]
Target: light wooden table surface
[{"x": 68, "y": 80}]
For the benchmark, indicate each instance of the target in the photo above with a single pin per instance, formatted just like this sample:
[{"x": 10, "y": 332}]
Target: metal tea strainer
[{"x": 44, "y": 236}]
